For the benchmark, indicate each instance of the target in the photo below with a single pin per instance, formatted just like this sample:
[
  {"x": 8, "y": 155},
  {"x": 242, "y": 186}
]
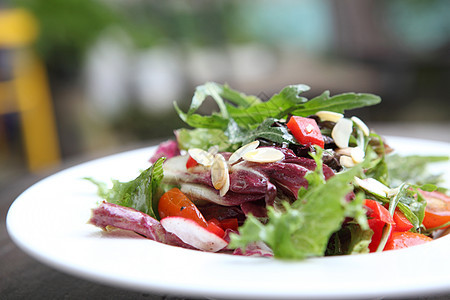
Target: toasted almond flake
[
  {"x": 213, "y": 149},
  {"x": 263, "y": 155},
  {"x": 373, "y": 186},
  {"x": 224, "y": 189},
  {"x": 357, "y": 154},
  {"x": 344, "y": 151},
  {"x": 201, "y": 156},
  {"x": 361, "y": 125},
  {"x": 219, "y": 172},
  {"x": 326, "y": 115},
  {"x": 241, "y": 151},
  {"x": 346, "y": 161},
  {"x": 341, "y": 132}
]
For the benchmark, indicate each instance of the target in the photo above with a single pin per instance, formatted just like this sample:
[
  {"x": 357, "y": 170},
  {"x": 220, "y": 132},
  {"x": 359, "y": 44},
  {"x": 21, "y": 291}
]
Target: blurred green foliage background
[{"x": 115, "y": 67}]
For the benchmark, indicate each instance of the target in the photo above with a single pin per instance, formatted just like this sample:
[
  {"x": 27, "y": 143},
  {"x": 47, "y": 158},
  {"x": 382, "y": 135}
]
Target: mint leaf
[{"x": 137, "y": 193}]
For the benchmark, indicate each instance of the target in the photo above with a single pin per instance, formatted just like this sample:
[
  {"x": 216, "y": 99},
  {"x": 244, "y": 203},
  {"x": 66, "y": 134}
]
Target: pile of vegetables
[{"x": 289, "y": 177}]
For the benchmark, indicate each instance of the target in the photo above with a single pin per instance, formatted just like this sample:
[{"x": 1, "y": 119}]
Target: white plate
[{"x": 48, "y": 221}]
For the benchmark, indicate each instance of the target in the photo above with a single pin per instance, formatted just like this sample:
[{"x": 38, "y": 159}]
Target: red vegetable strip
[{"x": 378, "y": 218}]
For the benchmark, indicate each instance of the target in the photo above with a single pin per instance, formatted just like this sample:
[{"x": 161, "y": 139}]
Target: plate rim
[{"x": 157, "y": 287}]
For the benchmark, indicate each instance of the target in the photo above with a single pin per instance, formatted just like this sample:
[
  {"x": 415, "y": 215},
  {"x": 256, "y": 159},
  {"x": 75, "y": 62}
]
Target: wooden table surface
[{"x": 23, "y": 277}]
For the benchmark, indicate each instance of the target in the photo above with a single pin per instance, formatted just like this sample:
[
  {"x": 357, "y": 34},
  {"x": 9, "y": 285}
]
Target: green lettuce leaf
[
  {"x": 339, "y": 103},
  {"x": 238, "y": 98},
  {"x": 278, "y": 106},
  {"x": 218, "y": 93},
  {"x": 350, "y": 239},
  {"x": 202, "y": 138},
  {"x": 137, "y": 193},
  {"x": 416, "y": 172},
  {"x": 377, "y": 168},
  {"x": 241, "y": 115},
  {"x": 304, "y": 228},
  {"x": 411, "y": 203},
  {"x": 265, "y": 130}
]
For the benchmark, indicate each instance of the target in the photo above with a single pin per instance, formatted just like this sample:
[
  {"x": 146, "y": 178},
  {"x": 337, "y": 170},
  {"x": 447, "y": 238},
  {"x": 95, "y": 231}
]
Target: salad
[{"x": 289, "y": 178}]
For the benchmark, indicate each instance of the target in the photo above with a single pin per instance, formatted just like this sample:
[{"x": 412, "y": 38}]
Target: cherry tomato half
[
  {"x": 401, "y": 221},
  {"x": 437, "y": 211},
  {"x": 175, "y": 203},
  {"x": 399, "y": 240}
]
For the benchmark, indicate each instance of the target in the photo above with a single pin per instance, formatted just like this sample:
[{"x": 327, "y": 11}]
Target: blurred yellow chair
[{"x": 26, "y": 92}]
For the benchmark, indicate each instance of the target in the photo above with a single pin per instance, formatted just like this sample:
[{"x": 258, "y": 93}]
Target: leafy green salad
[{"x": 288, "y": 177}]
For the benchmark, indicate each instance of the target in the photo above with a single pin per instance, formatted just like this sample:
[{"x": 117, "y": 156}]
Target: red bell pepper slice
[
  {"x": 231, "y": 223},
  {"x": 214, "y": 227},
  {"x": 306, "y": 131},
  {"x": 378, "y": 217}
]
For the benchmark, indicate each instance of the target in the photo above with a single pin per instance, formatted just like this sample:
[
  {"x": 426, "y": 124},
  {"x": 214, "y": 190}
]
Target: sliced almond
[
  {"x": 373, "y": 186},
  {"x": 224, "y": 189},
  {"x": 341, "y": 132},
  {"x": 213, "y": 149},
  {"x": 263, "y": 155},
  {"x": 344, "y": 151},
  {"x": 201, "y": 156},
  {"x": 241, "y": 151},
  {"x": 361, "y": 125},
  {"x": 346, "y": 161},
  {"x": 326, "y": 115},
  {"x": 357, "y": 154},
  {"x": 219, "y": 172}
]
